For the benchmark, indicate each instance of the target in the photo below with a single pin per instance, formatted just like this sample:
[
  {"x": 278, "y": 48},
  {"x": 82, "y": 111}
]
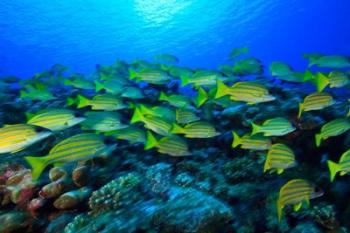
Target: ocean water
[{"x": 174, "y": 116}]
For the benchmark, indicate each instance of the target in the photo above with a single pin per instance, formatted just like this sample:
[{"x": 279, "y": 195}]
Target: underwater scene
[{"x": 174, "y": 116}]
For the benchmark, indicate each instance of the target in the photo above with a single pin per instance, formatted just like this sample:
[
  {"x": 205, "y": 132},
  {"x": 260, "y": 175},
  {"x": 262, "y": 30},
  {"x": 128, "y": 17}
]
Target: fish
[
  {"x": 159, "y": 111},
  {"x": 335, "y": 79},
  {"x": 331, "y": 129},
  {"x": 330, "y": 61},
  {"x": 202, "y": 78},
  {"x": 235, "y": 52},
  {"x": 297, "y": 77},
  {"x": 185, "y": 116},
  {"x": 55, "y": 119},
  {"x": 249, "y": 92},
  {"x": 154, "y": 123},
  {"x": 342, "y": 167},
  {"x": 37, "y": 91},
  {"x": 110, "y": 86},
  {"x": 254, "y": 142},
  {"x": 176, "y": 71},
  {"x": 130, "y": 133},
  {"x": 105, "y": 102},
  {"x": 198, "y": 129},
  {"x": 150, "y": 75},
  {"x": 248, "y": 66},
  {"x": 102, "y": 121},
  {"x": 166, "y": 58},
  {"x": 17, "y": 137},
  {"x": 316, "y": 101},
  {"x": 78, "y": 81},
  {"x": 79, "y": 147},
  {"x": 170, "y": 145},
  {"x": 296, "y": 192},
  {"x": 277, "y": 126},
  {"x": 280, "y": 69},
  {"x": 132, "y": 93},
  {"x": 178, "y": 101},
  {"x": 279, "y": 158}
]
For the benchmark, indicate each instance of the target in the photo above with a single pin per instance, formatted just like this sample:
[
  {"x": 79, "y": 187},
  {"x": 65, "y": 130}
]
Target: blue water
[{"x": 36, "y": 34}]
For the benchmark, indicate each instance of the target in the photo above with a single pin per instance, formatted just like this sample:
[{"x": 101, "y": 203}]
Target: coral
[
  {"x": 13, "y": 221},
  {"x": 117, "y": 194},
  {"x": 159, "y": 178},
  {"x": 184, "y": 179},
  {"x": 244, "y": 168},
  {"x": 78, "y": 223}
]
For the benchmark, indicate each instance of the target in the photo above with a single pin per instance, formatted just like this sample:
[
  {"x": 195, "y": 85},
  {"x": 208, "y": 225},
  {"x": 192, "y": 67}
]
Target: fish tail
[
  {"x": 301, "y": 108},
  {"x": 184, "y": 80},
  {"x": 318, "y": 138},
  {"x": 307, "y": 76},
  {"x": 255, "y": 129},
  {"x": 71, "y": 101},
  {"x": 132, "y": 73},
  {"x": 151, "y": 141},
  {"x": 333, "y": 169},
  {"x": 177, "y": 129},
  {"x": 221, "y": 89},
  {"x": 82, "y": 101},
  {"x": 38, "y": 164},
  {"x": 202, "y": 97},
  {"x": 236, "y": 140},
  {"x": 98, "y": 86},
  {"x": 162, "y": 96},
  {"x": 321, "y": 81},
  {"x": 137, "y": 117}
]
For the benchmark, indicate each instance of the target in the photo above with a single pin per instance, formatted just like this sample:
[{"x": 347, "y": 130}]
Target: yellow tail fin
[
  {"x": 38, "y": 165},
  {"x": 333, "y": 169}
]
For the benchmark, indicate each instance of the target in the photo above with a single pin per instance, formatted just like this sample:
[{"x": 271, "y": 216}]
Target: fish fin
[
  {"x": 321, "y": 81},
  {"x": 279, "y": 210},
  {"x": 151, "y": 141},
  {"x": 132, "y": 74},
  {"x": 298, "y": 206},
  {"x": 202, "y": 97},
  {"x": 29, "y": 115},
  {"x": 307, "y": 76},
  {"x": 177, "y": 129},
  {"x": 137, "y": 116},
  {"x": 184, "y": 80},
  {"x": 318, "y": 139},
  {"x": 301, "y": 108},
  {"x": 255, "y": 129},
  {"x": 342, "y": 173},
  {"x": 221, "y": 89},
  {"x": 23, "y": 94},
  {"x": 98, "y": 86},
  {"x": 236, "y": 140},
  {"x": 163, "y": 96},
  {"x": 71, "y": 101},
  {"x": 67, "y": 82},
  {"x": 333, "y": 169},
  {"x": 82, "y": 101},
  {"x": 280, "y": 170},
  {"x": 38, "y": 164}
]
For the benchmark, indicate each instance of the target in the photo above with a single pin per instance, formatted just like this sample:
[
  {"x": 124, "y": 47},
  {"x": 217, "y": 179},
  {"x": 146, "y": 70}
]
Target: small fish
[
  {"x": 133, "y": 93},
  {"x": 151, "y": 76},
  {"x": 15, "y": 138},
  {"x": 202, "y": 78},
  {"x": 335, "y": 79},
  {"x": 342, "y": 167},
  {"x": 296, "y": 192},
  {"x": 235, "y": 52},
  {"x": 105, "y": 102},
  {"x": 102, "y": 121},
  {"x": 227, "y": 70},
  {"x": 297, "y": 77},
  {"x": 55, "y": 119},
  {"x": 110, "y": 86},
  {"x": 76, "y": 148},
  {"x": 176, "y": 71},
  {"x": 37, "y": 92},
  {"x": 280, "y": 69},
  {"x": 315, "y": 101},
  {"x": 131, "y": 134},
  {"x": 331, "y": 129},
  {"x": 278, "y": 126},
  {"x": 331, "y": 61},
  {"x": 198, "y": 129},
  {"x": 279, "y": 158},
  {"x": 254, "y": 142},
  {"x": 178, "y": 101},
  {"x": 78, "y": 81},
  {"x": 248, "y": 66},
  {"x": 171, "y": 145},
  {"x": 185, "y": 116},
  {"x": 154, "y": 123},
  {"x": 166, "y": 58},
  {"x": 158, "y": 111},
  {"x": 249, "y": 92}
]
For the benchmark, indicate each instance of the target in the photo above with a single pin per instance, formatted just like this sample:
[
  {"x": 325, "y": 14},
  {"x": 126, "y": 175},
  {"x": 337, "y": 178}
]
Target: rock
[{"x": 189, "y": 210}]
